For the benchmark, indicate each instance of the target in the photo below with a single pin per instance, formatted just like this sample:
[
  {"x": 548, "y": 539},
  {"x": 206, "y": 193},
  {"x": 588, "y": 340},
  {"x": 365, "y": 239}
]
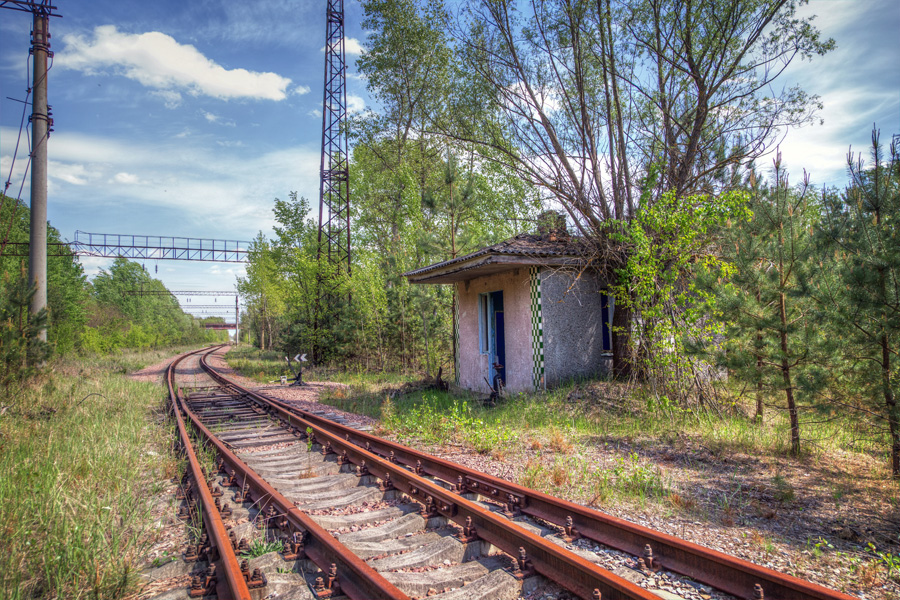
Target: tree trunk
[
  {"x": 788, "y": 387},
  {"x": 759, "y": 366},
  {"x": 892, "y": 409},
  {"x": 759, "y": 388}
]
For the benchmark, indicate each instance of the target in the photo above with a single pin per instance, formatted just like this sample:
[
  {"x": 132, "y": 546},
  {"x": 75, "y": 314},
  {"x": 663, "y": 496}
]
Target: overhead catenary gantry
[
  {"x": 144, "y": 247},
  {"x": 186, "y": 307}
]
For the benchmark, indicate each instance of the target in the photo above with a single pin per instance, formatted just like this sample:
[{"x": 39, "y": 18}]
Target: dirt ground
[{"x": 825, "y": 519}]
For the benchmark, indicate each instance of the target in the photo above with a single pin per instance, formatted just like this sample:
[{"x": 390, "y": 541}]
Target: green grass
[
  {"x": 561, "y": 423},
  {"x": 442, "y": 416},
  {"x": 266, "y": 366},
  {"x": 123, "y": 361},
  {"x": 81, "y": 453},
  {"x": 630, "y": 478},
  {"x": 555, "y": 424},
  {"x": 262, "y": 547}
]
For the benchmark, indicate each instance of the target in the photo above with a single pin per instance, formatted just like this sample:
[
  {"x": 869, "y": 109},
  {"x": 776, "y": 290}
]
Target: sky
[{"x": 188, "y": 119}]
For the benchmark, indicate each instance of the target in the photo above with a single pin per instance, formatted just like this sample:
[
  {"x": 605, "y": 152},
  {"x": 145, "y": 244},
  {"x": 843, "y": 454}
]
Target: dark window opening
[{"x": 606, "y": 311}]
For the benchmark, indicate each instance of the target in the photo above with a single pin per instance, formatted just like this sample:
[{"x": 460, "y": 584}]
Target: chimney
[{"x": 552, "y": 225}]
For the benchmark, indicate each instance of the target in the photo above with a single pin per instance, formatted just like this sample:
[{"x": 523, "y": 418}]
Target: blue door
[{"x": 498, "y": 336}]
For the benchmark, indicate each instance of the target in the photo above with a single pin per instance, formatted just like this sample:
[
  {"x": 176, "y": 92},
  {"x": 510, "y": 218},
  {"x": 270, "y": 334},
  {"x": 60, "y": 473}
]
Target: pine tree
[
  {"x": 773, "y": 341},
  {"x": 861, "y": 228},
  {"x": 21, "y": 350}
]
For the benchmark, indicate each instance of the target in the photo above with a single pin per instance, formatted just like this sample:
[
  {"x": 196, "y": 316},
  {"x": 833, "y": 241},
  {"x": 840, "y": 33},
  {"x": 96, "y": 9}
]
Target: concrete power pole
[{"x": 40, "y": 131}]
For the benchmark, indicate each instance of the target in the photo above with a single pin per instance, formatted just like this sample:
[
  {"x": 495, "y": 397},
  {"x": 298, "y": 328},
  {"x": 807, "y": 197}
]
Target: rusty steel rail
[
  {"x": 234, "y": 584},
  {"x": 355, "y": 577},
  {"x": 535, "y": 554},
  {"x": 727, "y": 573}
]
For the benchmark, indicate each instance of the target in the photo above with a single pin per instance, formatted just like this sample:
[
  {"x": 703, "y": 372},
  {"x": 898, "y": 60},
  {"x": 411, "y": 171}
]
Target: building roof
[{"x": 519, "y": 251}]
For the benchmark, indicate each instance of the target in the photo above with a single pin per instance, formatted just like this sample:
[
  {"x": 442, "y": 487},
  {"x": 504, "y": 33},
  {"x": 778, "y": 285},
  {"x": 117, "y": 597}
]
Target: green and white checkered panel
[
  {"x": 456, "y": 336},
  {"x": 537, "y": 330}
]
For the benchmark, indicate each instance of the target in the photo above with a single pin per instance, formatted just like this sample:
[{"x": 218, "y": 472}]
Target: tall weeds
[{"x": 80, "y": 456}]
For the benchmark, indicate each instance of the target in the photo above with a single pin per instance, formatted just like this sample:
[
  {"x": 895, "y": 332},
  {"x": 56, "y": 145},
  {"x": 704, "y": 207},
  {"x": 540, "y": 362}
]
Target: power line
[
  {"x": 192, "y": 306},
  {"x": 18, "y": 200}
]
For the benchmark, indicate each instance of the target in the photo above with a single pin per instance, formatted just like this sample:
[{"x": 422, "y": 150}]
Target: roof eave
[{"x": 488, "y": 265}]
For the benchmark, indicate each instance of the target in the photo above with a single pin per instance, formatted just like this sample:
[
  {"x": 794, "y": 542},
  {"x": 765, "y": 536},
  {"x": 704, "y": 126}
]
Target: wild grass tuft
[
  {"x": 629, "y": 479},
  {"x": 261, "y": 548},
  {"x": 439, "y": 418},
  {"x": 79, "y": 457}
]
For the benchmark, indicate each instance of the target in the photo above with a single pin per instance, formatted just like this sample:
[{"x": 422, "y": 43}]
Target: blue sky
[{"x": 188, "y": 118}]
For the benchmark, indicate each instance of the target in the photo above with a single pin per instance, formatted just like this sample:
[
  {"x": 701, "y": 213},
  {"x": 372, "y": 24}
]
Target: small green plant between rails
[{"x": 262, "y": 547}]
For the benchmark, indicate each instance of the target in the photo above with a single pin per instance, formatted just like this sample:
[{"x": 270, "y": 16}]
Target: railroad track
[{"x": 363, "y": 517}]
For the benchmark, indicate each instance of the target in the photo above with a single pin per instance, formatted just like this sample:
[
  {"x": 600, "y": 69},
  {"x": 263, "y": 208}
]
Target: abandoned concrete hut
[{"x": 527, "y": 305}]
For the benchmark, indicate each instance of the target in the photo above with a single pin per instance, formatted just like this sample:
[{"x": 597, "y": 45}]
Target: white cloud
[
  {"x": 194, "y": 187},
  {"x": 355, "y": 103},
  {"x": 300, "y": 90},
  {"x": 352, "y": 47},
  {"x": 856, "y": 94},
  {"x": 74, "y": 173},
  {"x": 171, "y": 99},
  {"x": 315, "y": 113},
  {"x": 93, "y": 264},
  {"x": 214, "y": 118},
  {"x": 18, "y": 171},
  {"x": 518, "y": 99},
  {"x": 126, "y": 178},
  {"x": 158, "y": 61}
]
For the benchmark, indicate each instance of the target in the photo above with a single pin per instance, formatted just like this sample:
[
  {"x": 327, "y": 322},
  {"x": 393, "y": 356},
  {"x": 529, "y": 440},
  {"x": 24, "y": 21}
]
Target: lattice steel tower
[{"x": 334, "y": 186}]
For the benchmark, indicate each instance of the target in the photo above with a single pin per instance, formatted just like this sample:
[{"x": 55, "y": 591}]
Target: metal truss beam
[
  {"x": 178, "y": 293},
  {"x": 206, "y": 306},
  {"x": 155, "y": 247},
  {"x": 144, "y": 247}
]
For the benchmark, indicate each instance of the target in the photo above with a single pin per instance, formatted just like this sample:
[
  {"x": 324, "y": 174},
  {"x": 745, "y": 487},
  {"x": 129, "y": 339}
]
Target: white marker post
[{"x": 298, "y": 376}]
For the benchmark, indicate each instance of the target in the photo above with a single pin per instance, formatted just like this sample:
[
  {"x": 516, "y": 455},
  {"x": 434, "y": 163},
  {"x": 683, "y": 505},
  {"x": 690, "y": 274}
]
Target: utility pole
[
  {"x": 41, "y": 126},
  {"x": 237, "y": 320},
  {"x": 40, "y": 132}
]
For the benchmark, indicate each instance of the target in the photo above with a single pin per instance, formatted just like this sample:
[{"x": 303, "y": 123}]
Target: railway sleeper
[{"x": 400, "y": 538}]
